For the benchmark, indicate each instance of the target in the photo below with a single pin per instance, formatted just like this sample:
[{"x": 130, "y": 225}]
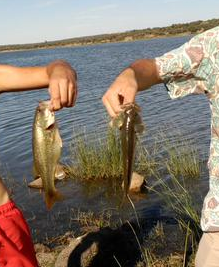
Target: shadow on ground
[{"x": 108, "y": 247}]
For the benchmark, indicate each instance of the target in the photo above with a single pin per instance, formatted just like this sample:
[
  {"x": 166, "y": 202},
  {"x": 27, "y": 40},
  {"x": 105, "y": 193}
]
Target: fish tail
[{"x": 53, "y": 197}]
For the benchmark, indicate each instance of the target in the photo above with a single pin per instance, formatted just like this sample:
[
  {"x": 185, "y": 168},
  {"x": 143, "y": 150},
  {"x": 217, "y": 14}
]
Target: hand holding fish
[
  {"x": 140, "y": 75},
  {"x": 121, "y": 92},
  {"x": 58, "y": 76},
  {"x": 62, "y": 84}
]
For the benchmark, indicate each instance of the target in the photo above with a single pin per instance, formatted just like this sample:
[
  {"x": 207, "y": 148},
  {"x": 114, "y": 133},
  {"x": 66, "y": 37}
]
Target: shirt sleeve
[{"x": 189, "y": 68}]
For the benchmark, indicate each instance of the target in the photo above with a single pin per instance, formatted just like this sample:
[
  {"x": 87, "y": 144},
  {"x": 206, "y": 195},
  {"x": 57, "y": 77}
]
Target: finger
[
  {"x": 108, "y": 107},
  {"x": 72, "y": 94},
  {"x": 63, "y": 86},
  {"x": 55, "y": 96},
  {"x": 75, "y": 93}
]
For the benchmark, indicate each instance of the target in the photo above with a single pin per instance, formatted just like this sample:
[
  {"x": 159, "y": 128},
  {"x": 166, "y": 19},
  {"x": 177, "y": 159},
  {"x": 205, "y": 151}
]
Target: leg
[
  {"x": 4, "y": 196},
  {"x": 208, "y": 251}
]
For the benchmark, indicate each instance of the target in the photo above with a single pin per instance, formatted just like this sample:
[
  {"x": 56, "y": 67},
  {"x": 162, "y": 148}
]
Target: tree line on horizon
[{"x": 173, "y": 30}]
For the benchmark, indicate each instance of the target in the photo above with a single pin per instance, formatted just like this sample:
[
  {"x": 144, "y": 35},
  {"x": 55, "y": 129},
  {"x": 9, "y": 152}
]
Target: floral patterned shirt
[{"x": 193, "y": 68}]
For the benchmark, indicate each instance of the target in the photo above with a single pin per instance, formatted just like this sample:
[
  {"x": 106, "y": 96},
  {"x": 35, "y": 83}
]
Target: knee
[{"x": 4, "y": 195}]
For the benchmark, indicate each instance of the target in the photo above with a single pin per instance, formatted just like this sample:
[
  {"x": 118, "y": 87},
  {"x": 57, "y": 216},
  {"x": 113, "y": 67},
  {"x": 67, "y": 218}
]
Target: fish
[
  {"x": 46, "y": 147},
  {"x": 130, "y": 124},
  {"x": 37, "y": 182}
]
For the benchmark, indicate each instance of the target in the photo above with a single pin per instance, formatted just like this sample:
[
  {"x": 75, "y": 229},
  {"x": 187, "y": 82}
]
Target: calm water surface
[{"x": 97, "y": 66}]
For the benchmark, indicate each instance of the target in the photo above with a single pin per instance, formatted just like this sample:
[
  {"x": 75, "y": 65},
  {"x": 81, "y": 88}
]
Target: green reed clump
[
  {"x": 183, "y": 161},
  {"x": 145, "y": 162},
  {"x": 95, "y": 157},
  {"x": 96, "y": 160},
  {"x": 179, "y": 199},
  {"x": 182, "y": 157}
]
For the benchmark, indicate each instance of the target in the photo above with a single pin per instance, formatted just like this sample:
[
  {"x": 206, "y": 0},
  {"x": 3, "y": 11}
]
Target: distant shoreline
[
  {"x": 8, "y": 50},
  {"x": 175, "y": 30}
]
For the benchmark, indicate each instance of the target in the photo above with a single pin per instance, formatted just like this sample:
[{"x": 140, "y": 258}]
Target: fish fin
[
  {"x": 139, "y": 126},
  {"x": 58, "y": 138},
  {"x": 137, "y": 108},
  {"x": 117, "y": 122},
  {"x": 53, "y": 197},
  {"x": 36, "y": 174},
  {"x": 60, "y": 173}
]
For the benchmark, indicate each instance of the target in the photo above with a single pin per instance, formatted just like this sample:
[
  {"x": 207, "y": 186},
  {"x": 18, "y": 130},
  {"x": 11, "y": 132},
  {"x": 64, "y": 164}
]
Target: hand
[
  {"x": 122, "y": 91},
  {"x": 62, "y": 84}
]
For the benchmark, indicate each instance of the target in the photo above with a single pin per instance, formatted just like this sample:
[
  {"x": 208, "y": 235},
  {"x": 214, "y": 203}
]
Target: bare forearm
[
  {"x": 58, "y": 76},
  {"x": 22, "y": 78},
  {"x": 25, "y": 78},
  {"x": 146, "y": 73},
  {"x": 140, "y": 75}
]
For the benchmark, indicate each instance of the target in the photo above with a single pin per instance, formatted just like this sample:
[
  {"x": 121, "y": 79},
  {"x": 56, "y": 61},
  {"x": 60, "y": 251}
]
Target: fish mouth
[
  {"x": 44, "y": 104},
  {"x": 50, "y": 127}
]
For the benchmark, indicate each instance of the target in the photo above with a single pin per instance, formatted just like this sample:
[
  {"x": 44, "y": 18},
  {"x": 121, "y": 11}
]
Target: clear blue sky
[{"x": 28, "y": 21}]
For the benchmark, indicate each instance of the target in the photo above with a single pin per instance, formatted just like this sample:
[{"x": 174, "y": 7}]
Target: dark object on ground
[{"x": 108, "y": 248}]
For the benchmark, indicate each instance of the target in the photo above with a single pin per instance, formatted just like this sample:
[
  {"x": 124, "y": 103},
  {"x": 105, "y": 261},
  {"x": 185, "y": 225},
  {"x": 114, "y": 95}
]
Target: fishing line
[{"x": 133, "y": 206}]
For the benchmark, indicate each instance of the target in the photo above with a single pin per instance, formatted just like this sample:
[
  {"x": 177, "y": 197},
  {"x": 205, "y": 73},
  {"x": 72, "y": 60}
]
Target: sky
[{"x": 30, "y": 21}]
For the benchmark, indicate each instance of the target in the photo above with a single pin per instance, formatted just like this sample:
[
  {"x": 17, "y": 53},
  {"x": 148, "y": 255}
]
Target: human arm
[
  {"x": 188, "y": 69},
  {"x": 58, "y": 76},
  {"x": 140, "y": 75}
]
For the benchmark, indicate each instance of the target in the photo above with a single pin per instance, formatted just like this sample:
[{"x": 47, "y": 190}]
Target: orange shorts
[{"x": 16, "y": 246}]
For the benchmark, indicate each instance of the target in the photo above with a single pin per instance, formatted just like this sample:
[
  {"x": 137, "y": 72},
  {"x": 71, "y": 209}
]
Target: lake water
[{"x": 97, "y": 66}]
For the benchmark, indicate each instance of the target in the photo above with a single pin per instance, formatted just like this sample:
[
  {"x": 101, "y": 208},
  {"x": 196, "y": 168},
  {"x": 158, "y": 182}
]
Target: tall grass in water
[
  {"x": 182, "y": 158},
  {"x": 182, "y": 163},
  {"x": 96, "y": 160},
  {"x": 102, "y": 158},
  {"x": 145, "y": 162}
]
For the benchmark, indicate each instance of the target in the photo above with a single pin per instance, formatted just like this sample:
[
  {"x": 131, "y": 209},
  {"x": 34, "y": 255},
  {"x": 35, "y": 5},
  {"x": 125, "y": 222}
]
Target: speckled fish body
[{"x": 47, "y": 145}]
